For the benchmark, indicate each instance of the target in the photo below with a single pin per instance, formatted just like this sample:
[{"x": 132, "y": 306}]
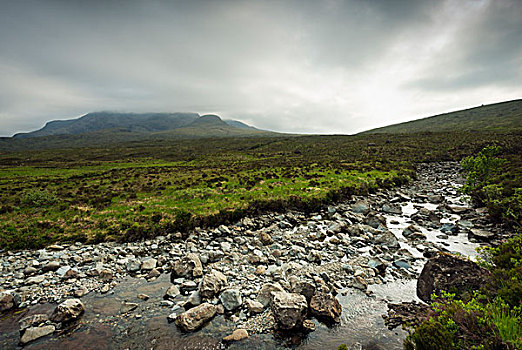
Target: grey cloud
[{"x": 297, "y": 66}]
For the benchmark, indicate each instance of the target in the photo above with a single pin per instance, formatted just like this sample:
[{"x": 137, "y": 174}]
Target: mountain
[
  {"x": 139, "y": 124},
  {"x": 497, "y": 117}
]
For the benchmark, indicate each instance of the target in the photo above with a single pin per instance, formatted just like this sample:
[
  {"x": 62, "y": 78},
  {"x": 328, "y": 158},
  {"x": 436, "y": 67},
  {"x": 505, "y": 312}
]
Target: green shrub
[
  {"x": 38, "y": 198},
  {"x": 480, "y": 168}
]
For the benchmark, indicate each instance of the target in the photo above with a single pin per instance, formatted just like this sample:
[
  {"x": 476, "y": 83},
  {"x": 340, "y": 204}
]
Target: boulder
[
  {"x": 304, "y": 288},
  {"x": 212, "y": 283},
  {"x": 67, "y": 311},
  {"x": 33, "y": 333},
  {"x": 289, "y": 310},
  {"x": 231, "y": 299},
  {"x": 188, "y": 266},
  {"x": 51, "y": 266},
  {"x": 326, "y": 307},
  {"x": 32, "y": 321},
  {"x": 196, "y": 317},
  {"x": 449, "y": 273},
  {"x": 265, "y": 293}
]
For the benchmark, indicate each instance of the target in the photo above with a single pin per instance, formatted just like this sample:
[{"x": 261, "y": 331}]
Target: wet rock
[
  {"x": 326, "y": 307},
  {"x": 196, "y": 317},
  {"x": 450, "y": 229},
  {"x": 360, "y": 207},
  {"x": 154, "y": 273},
  {"x": 231, "y": 299},
  {"x": 212, "y": 283},
  {"x": 375, "y": 221},
  {"x": 33, "y": 333},
  {"x": 449, "y": 273},
  {"x": 143, "y": 296},
  {"x": 265, "y": 293},
  {"x": 479, "y": 234},
  {"x": 289, "y": 310},
  {"x": 237, "y": 335},
  {"x": 127, "y": 307},
  {"x": 391, "y": 209},
  {"x": 133, "y": 265},
  {"x": 388, "y": 239},
  {"x": 403, "y": 264},
  {"x": 359, "y": 283},
  {"x": 106, "y": 275},
  {"x": 67, "y": 311},
  {"x": 9, "y": 300},
  {"x": 188, "y": 286},
  {"x": 171, "y": 293},
  {"x": 32, "y": 321},
  {"x": 408, "y": 231},
  {"x": 189, "y": 265}
]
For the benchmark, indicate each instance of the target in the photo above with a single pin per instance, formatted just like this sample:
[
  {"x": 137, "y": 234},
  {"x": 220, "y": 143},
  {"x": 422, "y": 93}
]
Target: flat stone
[{"x": 33, "y": 333}]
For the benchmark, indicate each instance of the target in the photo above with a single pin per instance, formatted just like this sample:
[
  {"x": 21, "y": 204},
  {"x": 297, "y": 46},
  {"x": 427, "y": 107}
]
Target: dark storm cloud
[{"x": 302, "y": 66}]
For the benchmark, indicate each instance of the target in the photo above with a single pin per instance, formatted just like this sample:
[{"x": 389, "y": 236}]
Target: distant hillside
[
  {"x": 142, "y": 123},
  {"x": 106, "y": 129},
  {"x": 497, "y": 117}
]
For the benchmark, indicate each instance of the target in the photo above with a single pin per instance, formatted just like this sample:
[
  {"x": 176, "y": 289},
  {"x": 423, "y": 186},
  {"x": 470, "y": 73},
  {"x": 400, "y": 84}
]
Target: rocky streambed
[{"x": 292, "y": 280}]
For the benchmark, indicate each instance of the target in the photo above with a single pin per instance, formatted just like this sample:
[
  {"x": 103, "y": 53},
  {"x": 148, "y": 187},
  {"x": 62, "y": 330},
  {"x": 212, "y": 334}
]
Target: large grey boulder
[
  {"x": 212, "y": 283},
  {"x": 67, "y": 311},
  {"x": 450, "y": 273},
  {"x": 289, "y": 310},
  {"x": 188, "y": 266},
  {"x": 196, "y": 317}
]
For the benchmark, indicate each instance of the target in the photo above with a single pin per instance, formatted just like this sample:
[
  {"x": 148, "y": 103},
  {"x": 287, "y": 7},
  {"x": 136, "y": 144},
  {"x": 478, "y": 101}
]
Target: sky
[{"x": 333, "y": 67}]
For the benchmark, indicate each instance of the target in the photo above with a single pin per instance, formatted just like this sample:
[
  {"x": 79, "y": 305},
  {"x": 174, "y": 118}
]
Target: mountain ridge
[{"x": 140, "y": 123}]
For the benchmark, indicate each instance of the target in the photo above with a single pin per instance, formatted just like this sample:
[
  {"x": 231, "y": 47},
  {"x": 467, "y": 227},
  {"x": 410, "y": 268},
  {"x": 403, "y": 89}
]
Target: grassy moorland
[{"x": 137, "y": 190}]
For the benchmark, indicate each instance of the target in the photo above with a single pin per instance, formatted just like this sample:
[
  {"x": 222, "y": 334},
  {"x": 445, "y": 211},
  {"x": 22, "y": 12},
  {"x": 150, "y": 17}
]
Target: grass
[{"x": 133, "y": 190}]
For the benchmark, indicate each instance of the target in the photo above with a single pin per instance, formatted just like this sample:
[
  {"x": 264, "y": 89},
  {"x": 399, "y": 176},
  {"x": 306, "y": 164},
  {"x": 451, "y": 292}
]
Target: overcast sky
[{"x": 295, "y": 66}]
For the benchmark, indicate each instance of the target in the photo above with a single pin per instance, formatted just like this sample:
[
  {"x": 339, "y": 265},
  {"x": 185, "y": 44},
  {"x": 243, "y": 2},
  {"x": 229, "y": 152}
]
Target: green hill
[{"x": 497, "y": 117}]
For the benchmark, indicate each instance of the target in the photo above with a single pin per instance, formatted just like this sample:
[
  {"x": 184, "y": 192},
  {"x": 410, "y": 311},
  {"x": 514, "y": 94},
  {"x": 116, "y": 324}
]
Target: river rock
[
  {"x": 388, "y": 239},
  {"x": 51, "y": 266},
  {"x": 237, "y": 335},
  {"x": 449, "y": 273},
  {"x": 254, "y": 307},
  {"x": 212, "y": 283},
  {"x": 326, "y": 307},
  {"x": 32, "y": 321},
  {"x": 33, "y": 333},
  {"x": 360, "y": 207},
  {"x": 196, "y": 317},
  {"x": 479, "y": 234},
  {"x": 171, "y": 293},
  {"x": 265, "y": 293},
  {"x": 391, "y": 209},
  {"x": 289, "y": 310},
  {"x": 67, "y": 311},
  {"x": 9, "y": 300},
  {"x": 265, "y": 238},
  {"x": 304, "y": 288},
  {"x": 148, "y": 263},
  {"x": 308, "y": 326},
  {"x": 189, "y": 266},
  {"x": 231, "y": 299}
]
